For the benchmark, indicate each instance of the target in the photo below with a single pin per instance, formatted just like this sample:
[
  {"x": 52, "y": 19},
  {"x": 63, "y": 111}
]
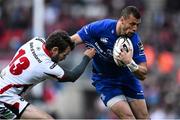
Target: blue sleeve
[
  {"x": 91, "y": 31},
  {"x": 139, "y": 55}
]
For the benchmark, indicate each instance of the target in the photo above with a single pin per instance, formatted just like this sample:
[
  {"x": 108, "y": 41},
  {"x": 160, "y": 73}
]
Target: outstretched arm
[{"x": 74, "y": 74}]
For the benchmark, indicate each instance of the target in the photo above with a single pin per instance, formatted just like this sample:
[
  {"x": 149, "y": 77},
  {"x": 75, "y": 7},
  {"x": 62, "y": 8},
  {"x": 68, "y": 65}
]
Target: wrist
[
  {"x": 86, "y": 58},
  {"x": 132, "y": 66}
]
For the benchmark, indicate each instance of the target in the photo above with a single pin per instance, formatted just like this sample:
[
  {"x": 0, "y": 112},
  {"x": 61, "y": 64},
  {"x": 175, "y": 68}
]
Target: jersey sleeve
[
  {"x": 139, "y": 55},
  {"x": 90, "y": 31},
  {"x": 53, "y": 70}
]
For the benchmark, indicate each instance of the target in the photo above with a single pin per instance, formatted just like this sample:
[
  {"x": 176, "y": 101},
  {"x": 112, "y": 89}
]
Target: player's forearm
[
  {"x": 141, "y": 72},
  {"x": 74, "y": 74}
]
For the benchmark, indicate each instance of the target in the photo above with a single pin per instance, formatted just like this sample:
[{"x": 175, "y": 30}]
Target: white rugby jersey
[{"x": 30, "y": 65}]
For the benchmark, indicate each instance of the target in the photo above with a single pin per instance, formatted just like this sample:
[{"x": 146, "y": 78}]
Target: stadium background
[{"x": 20, "y": 20}]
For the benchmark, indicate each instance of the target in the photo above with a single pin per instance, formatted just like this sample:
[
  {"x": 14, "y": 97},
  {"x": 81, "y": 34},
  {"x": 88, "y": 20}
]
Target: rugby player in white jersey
[{"x": 33, "y": 63}]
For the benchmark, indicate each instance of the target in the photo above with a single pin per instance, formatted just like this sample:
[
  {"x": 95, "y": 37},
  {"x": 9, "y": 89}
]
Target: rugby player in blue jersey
[{"x": 120, "y": 87}]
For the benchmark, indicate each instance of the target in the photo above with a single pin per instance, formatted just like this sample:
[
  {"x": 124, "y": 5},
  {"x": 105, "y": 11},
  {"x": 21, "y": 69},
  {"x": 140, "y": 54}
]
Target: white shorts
[{"x": 11, "y": 106}]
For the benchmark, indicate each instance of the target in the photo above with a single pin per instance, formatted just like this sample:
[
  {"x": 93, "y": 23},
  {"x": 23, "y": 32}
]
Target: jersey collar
[{"x": 46, "y": 50}]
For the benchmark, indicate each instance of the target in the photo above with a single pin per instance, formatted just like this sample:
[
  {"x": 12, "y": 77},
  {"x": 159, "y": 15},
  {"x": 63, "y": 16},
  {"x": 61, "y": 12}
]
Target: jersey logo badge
[
  {"x": 140, "y": 93},
  {"x": 103, "y": 97},
  {"x": 38, "y": 48},
  {"x": 141, "y": 48},
  {"x": 112, "y": 31},
  {"x": 104, "y": 40},
  {"x": 53, "y": 65},
  {"x": 140, "y": 45},
  {"x": 85, "y": 29}
]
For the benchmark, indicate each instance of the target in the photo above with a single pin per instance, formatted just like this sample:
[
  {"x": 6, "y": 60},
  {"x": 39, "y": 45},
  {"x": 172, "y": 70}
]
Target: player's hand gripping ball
[{"x": 126, "y": 44}]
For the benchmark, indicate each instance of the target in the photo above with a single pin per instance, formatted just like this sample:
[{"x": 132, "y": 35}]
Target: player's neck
[{"x": 118, "y": 30}]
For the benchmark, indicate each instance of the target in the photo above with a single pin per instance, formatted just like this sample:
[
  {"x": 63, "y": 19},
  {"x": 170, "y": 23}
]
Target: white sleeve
[{"x": 53, "y": 69}]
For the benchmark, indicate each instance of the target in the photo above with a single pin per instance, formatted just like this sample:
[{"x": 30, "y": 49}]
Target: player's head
[
  {"x": 129, "y": 20},
  {"x": 59, "y": 44}
]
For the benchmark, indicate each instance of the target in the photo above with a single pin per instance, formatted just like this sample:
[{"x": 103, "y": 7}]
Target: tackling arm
[{"x": 74, "y": 74}]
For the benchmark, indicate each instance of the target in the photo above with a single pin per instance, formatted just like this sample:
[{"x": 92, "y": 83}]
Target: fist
[
  {"x": 125, "y": 55},
  {"x": 90, "y": 52}
]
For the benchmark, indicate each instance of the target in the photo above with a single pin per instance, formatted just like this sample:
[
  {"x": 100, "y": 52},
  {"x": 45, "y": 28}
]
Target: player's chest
[{"x": 104, "y": 46}]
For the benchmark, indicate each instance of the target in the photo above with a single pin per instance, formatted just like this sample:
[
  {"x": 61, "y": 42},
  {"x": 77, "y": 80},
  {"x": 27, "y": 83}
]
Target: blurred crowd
[{"x": 159, "y": 32}]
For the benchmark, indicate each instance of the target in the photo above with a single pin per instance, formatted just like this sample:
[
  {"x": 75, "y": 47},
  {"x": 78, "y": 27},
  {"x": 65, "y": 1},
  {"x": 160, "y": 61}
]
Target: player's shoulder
[
  {"x": 135, "y": 37},
  {"x": 108, "y": 20},
  {"x": 137, "y": 42},
  {"x": 136, "y": 34},
  {"x": 38, "y": 50},
  {"x": 36, "y": 42},
  {"x": 103, "y": 25},
  {"x": 105, "y": 22},
  {"x": 40, "y": 39}
]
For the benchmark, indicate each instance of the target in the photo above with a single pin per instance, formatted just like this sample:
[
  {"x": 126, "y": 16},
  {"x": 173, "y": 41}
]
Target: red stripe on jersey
[
  {"x": 46, "y": 50},
  {"x": 13, "y": 85},
  {"x": 16, "y": 105}
]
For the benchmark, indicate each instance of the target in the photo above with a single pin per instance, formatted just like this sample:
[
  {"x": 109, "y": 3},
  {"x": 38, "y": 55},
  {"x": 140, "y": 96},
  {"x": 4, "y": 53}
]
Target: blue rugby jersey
[{"x": 102, "y": 35}]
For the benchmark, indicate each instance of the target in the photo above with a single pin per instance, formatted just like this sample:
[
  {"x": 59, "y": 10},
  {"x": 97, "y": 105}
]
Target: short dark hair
[
  {"x": 130, "y": 10},
  {"x": 60, "y": 39}
]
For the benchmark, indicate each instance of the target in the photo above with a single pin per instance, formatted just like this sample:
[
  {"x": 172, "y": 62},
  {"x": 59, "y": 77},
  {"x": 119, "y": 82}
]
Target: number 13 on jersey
[{"x": 22, "y": 64}]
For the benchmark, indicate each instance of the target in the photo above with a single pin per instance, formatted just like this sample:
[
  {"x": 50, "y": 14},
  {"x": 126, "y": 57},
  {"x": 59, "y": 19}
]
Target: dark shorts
[{"x": 108, "y": 90}]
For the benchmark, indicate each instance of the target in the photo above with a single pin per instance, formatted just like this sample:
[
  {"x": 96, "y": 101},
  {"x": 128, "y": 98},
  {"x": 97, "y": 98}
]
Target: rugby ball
[{"x": 121, "y": 42}]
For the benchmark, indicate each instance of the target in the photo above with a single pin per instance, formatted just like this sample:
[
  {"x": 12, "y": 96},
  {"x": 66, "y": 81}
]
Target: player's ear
[
  {"x": 122, "y": 19},
  {"x": 55, "y": 51}
]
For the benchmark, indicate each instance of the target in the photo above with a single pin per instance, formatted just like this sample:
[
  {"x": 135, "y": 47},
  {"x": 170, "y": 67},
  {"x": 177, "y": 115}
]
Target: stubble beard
[{"x": 55, "y": 58}]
